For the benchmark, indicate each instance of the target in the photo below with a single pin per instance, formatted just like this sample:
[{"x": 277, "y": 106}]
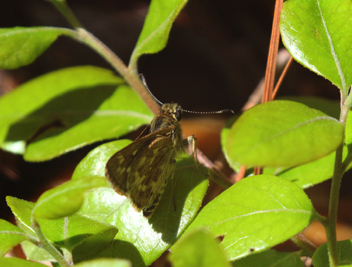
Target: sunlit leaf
[
  {"x": 21, "y": 46},
  {"x": 318, "y": 35},
  {"x": 255, "y": 214},
  {"x": 282, "y": 134}
]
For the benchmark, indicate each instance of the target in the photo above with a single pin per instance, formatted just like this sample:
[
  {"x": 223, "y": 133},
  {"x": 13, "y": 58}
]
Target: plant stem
[
  {"x": 130, "y": 77},
  {"x": 48, "y": 246},
  {"x": 62, "y": 6},
  {"x": 335, "y": 186},
  {"x": 301, "y": 241}
]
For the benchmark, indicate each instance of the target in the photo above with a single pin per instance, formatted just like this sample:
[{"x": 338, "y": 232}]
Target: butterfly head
[{"x": 173, "y": 110}]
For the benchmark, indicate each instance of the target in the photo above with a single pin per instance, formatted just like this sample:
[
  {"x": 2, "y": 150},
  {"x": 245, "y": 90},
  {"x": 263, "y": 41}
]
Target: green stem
[
  {"x": 85, "y": 37},
  {"x": 347, "y": 161},
  {"x": 48, "y": 246},
  {"x": 335, "y": 187},
  {"x": 130, "y": 77},
  {"x": 333, "y": 204},
  {"x": 307, "y": 247},
  {"x": 62, "y": 6}
]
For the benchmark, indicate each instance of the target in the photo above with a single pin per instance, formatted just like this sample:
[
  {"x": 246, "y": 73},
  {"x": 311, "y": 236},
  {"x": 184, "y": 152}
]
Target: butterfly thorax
[{"x": 169, "y": 117}]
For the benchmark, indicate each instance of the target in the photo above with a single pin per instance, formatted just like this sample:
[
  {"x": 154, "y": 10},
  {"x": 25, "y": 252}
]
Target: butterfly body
[{"x": 141, "y": 170}]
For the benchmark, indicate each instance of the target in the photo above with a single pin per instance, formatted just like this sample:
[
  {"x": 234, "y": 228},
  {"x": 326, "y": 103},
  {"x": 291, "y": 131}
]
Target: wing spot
[
  {"x": 143, "y": 159},
  {"x": 120, "y": 170},
  {"x": 134, "y": 152},
  {"x": 120, "y": 158}
]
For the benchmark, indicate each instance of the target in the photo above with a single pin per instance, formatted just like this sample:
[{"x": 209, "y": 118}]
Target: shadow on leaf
[{"x": 59, "y": 114}]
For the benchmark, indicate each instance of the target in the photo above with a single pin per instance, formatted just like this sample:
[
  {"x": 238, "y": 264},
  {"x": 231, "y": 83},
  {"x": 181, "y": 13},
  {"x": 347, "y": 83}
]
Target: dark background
[{"x": 215, "y": 57}]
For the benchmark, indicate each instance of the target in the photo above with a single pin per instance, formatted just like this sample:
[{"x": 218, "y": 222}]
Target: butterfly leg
[{"x": 190, "y": 143}]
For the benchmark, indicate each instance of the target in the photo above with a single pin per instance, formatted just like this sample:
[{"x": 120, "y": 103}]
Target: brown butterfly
[{"x": 141, "y": 170}]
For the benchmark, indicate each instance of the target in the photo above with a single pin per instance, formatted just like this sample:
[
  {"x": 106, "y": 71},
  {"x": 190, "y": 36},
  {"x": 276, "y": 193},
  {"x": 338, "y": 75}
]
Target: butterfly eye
[{"x": 178, "y": 114}]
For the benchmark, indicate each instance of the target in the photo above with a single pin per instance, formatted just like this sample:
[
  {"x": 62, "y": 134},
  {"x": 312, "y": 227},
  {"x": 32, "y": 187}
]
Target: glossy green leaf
[
  {"x": 105, "y": 263},
  {"x": 270, "y": 258},
  {"x": 282, "y": 134},
  {"x": 94, "y": 244},
  {"x": 35, "y": 253},
  {"x": 344, "y": 254},
  {"x": 73, "y": 230},
  {"x": 65, "y": 232},
  {"x": 143, "y": 240},
  {"x": 66, "y": 198},
  {"x": 22, "y": 210},
  {"x": 21, "y": 46},
  {"x": 10, "y": 236},
  {"x": 305, "y": 175},
  {"x": 330, "y": 107},
  {"x": 67, "y": 109},
  {"x": 311, "y": 173},
  {"x": 156, "y": 28},
  {"x": 198, "y": 249},
  {"x": 308, "y": 174},
  {"x": 318, "y": 35},
  {"x": 255, "y": 214},
  {"x": 16, "y": 262},
  {"x": 94, "y": 163}
]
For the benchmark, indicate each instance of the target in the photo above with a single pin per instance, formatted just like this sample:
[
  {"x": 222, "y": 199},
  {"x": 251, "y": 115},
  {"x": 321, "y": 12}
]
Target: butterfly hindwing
[{"x": 150, "y": 171}]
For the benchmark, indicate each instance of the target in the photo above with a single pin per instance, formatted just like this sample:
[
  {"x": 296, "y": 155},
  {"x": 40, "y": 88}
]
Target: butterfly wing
[
  {"x": 149, "y": 173},
  {"x": 119, "y": 167}
]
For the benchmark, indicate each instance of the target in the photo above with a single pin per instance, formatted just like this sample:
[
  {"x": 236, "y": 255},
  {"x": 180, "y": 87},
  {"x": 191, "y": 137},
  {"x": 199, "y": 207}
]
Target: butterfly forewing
[{"x": 140, "y": 170}]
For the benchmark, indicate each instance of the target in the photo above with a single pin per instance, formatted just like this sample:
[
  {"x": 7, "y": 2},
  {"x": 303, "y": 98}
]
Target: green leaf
[
  {"x": 305, "y": 175},
  {"x": 282, "y": 133},
  {"x": 71, "y": 231},
  {"x": 21, "y": 46},
  {"x": 318, "y": 35},
  {"x": 35, "y": 253},
  {"x": 143, "y": 240},
  {"x": 93, "y": 244},
  {"x": 328, "y": 106},
  {"x": 199, "y": 249},
  {"x": 66, "y": 198},
  {"x": 156, "y": 28},
  {"x": 16, "y": 262},
  {"x": 270, "y": 258},
  {"x": 22, "y": 210},
  {"x": 64, "y": 232},
  {"x": 10, "y": 236},
  {"x": 67, "y": 109},
  {"x": 344, "y": 254},
  {"x": 311, "y": 173},
  {"x": 255, "y": 214},
  {"x": 308, "y": 174},
  {"x": 223, "y": 137},
  {"x": 105, "y": 263},
  {"x": 94, "y": 163}
]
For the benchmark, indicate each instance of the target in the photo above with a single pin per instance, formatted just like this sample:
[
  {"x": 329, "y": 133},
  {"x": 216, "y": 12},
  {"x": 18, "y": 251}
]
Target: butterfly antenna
[
  {"x": 208, "y": 112},
  {"x": 141, "y": 76}
]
